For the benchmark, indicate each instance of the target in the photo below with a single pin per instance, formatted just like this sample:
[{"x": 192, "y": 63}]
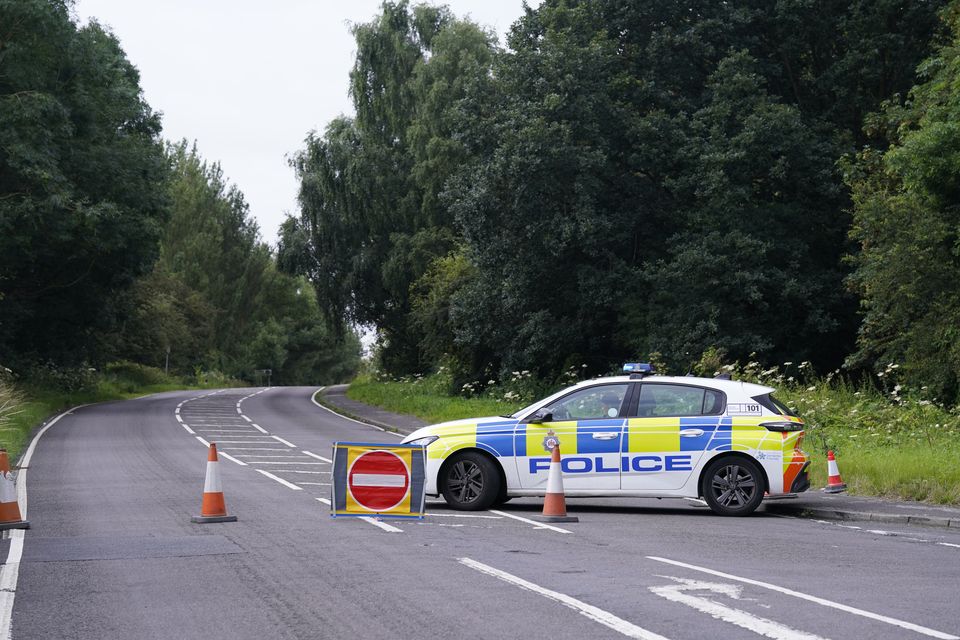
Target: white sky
[{"x": 249, "y": 79}]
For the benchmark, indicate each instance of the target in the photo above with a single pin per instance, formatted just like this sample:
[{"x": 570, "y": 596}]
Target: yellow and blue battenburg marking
[{"x": 378, "y": 479}]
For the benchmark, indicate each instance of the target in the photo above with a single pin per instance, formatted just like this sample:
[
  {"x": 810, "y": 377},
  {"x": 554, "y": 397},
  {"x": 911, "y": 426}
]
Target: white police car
[{"x": 725, "y": 441}]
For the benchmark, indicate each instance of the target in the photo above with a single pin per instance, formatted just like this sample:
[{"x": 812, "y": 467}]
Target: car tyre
[
  {"x": 732, "y": 486},
  {"x": 470, "y": 482}
]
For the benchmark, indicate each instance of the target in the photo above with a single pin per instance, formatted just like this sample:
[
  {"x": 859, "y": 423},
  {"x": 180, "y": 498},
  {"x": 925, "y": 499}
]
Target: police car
[{"x": 725, "y": 441}]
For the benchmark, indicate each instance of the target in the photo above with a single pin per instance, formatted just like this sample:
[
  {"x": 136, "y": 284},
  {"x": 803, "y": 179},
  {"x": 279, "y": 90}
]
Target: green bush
[{"x": 138, "y": 375}]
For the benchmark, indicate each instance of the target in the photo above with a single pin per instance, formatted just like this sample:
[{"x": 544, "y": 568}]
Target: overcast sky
[{"x": 249, "y": 79}]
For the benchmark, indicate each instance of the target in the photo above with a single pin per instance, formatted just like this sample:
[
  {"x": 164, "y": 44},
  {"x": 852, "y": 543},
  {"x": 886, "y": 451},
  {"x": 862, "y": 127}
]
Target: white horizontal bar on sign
[{"x": 377, "y": 480}]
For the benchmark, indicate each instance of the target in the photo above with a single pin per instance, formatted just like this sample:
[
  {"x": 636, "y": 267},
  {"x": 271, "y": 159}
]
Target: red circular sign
[{"x": 378, "y": 480}]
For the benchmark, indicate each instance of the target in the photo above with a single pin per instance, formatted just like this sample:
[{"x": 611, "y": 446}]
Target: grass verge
[{"x": 25, "y": 406}]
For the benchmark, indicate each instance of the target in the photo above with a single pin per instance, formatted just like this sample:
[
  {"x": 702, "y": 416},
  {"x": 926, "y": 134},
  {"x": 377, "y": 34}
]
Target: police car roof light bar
[{"x": 638, "y": 369}]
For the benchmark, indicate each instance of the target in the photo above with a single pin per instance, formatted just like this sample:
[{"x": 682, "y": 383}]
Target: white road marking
[
  {"x": 313, "y": 455},
  {"x": 463, "y": 515},
  {"x": 313, "y": 399},
  {"x": 756, "y": 624},
  {"x": 383, "y": 525},
  {"x": 949, "y": 544},
  {"x": 593, "y": 613},
  {"x": 231, "y": 458},
  {"x": 319, "y": 484},
  {"x": 203, "y": 442},
  {"x": 538, "y": 525},
  {"x": 187, "y": 427},
  {"x": 269, "y": 462},
  {"x": 247, "y": 419},
  {"x": 803, "y": 596},
  {"x": 285, "y": 483},
  {"x": 300, "y": 471},
  {"x": 255, "y": 448},
  {"x": 10, "y": 571},
  {"x": 279, "y": 439},
  {"x": 376, "y": 523},
  {"x": 257, "y": 455},
  {"x": 179, "y": 419},
  {"x": 258, "y": 427}
]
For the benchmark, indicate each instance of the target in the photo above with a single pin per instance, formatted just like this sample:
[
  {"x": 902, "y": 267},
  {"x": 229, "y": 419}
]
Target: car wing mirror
[{"x": 539, "y": 416}]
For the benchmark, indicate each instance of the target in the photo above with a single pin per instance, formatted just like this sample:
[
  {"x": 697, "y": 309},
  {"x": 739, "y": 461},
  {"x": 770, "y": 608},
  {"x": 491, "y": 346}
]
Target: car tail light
[{"x": 782, "y": 425}]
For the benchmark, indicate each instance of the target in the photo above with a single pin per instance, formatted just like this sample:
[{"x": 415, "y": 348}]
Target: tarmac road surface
[{"x": 112, "y": 552}]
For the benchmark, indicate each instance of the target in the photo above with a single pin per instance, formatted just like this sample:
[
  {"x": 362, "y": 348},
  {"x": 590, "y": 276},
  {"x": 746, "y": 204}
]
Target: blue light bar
[{"x": 638, "y": 367}]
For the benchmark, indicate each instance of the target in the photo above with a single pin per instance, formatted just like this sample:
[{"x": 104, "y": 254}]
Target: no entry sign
[{"x": 378, "y": 479}]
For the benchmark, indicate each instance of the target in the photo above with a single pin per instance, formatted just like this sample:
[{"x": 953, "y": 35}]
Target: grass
[
  {"x": 24, "y": 406},
  {"x": 889, "y": 441},
  {"x": 424, "y": 401}
]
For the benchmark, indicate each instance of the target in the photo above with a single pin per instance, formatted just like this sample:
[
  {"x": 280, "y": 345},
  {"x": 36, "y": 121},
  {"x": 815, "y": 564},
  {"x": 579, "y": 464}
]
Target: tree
[
  {"x": 906, "y": 221},
  {"x": 82, "y": 182},
  {"x": 372, "y": 218}
]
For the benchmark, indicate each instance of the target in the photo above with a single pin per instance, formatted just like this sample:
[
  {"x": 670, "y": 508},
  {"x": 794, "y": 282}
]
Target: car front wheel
[
  {"x": 732, "y": 486},
  {"x": 470, "y": 482}
]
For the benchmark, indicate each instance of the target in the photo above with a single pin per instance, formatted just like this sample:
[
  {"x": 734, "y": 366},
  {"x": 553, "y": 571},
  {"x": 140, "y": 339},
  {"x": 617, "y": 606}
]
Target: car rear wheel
[
  {"x": 470, "y": 482},
  {"x": 732, "y": 486}
]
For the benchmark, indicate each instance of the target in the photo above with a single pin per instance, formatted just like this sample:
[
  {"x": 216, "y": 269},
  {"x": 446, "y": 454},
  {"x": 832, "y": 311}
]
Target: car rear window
[{"x": 771, "y": 403}]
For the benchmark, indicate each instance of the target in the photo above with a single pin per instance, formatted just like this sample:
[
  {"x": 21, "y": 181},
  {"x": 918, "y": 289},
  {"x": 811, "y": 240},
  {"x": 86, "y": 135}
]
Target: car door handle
[
  {"x": 606, "y": 435},
  {"x": 691, "y": 433}
]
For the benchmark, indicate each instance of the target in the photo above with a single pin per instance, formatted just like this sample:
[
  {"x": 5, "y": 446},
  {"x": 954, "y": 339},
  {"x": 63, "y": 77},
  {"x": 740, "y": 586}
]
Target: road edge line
[
  {"x": 313, "y": 399},
  {"x": 10, "y": 571}
]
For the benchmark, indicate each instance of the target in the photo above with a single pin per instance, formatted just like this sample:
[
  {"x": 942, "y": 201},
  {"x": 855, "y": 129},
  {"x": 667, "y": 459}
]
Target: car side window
[
  {"x": 662, "y": 400},
  {"x": 594, "y": 403}
]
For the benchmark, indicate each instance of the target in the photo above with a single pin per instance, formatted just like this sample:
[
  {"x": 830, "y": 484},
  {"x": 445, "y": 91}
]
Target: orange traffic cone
[
  {"x": 4, "y": 462},
  {"x": 213, "y": 509},
  {"x": 554, "y": 503},
  {"x": 10, "y": 517},
  {"x": 834, "y": 482}
]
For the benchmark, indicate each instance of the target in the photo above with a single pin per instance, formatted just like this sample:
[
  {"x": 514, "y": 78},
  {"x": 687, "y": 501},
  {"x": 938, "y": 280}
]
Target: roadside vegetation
[
  {"x": 51, "y": 390},
  {"x": 890, "y": 441}
]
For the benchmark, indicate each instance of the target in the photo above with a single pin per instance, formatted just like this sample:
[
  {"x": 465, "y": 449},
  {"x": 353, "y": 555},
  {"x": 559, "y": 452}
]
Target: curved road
[{"x": 113, "y": 554}]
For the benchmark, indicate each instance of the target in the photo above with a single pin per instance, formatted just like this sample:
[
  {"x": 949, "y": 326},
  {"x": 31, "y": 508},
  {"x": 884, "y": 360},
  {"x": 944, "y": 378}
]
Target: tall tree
[
  {"x": 82, "y": 182},
  {"x": 907, "y": 222},
  {"x": 371, "y": 214}
]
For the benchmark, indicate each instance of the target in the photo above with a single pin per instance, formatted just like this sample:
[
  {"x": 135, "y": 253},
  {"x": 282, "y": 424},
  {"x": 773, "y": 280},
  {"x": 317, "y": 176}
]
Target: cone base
[
  {"x": 206, "y": 519},
  {"x": 22, "y": 524},
  {"x": 835, "y": 488},
  {"x": 556, "y": 518}
]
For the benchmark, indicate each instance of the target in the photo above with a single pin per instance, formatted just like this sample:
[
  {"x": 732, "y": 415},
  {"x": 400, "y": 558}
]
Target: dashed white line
[
  {"x": 187, "y": 427},
  {"x": 320, "y": 484},
  {"x": 803, "y": 596},
  {"x": 324, "y": 501},
  {"x": 232, "y": 459},
  {"x": 313, "y": 455},
  {"x": 949, "y": 544},
  {"x": 383, "y": 525},
  {"x": 258, "y": 427},
  {"x": 246, "y": 418},
  {"x": 270, "y": 462},
  {"x": 286, "y": 442},
  {"x": 596, "y": 614},
  {"x": 538, "y": 525},
  {"x": 285, "y": 483}
]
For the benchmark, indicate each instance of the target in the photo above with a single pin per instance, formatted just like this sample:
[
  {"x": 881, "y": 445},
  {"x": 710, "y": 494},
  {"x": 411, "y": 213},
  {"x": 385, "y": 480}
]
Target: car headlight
[{"x": 424, "y": 441}]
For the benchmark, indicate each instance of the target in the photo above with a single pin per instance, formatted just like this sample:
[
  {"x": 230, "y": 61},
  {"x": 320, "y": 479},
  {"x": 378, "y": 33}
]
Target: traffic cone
[
  {"x": 554, "y": 503},
  {"x": 10, "y": 517},
  {"x": 213, "y": 509},
  {"x": 834, "y": 483},
  {"x": 4, "y": 462}
]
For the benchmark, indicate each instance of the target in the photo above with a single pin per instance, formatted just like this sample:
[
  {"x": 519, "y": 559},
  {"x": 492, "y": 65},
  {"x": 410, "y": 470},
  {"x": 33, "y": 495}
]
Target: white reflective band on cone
[
  {"x": 555, "y": 479},
  {"x": 212, "y": 482}
]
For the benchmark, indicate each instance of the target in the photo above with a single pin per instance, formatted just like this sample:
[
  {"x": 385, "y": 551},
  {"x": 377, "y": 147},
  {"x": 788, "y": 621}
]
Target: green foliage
[
  {"x": 372, "y": 221},
  {"x": 82, "y": 183},
  {"x": 906, "y": 222},
  {"x": 216, "y": 304}
]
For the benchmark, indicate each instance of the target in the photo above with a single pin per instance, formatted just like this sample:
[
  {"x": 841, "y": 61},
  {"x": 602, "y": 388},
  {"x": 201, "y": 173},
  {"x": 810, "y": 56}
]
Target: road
[{"x": 112, "y": 552}]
